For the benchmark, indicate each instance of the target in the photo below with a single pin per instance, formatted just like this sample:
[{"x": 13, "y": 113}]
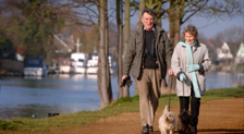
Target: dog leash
[{"x": 170, "y": 88}]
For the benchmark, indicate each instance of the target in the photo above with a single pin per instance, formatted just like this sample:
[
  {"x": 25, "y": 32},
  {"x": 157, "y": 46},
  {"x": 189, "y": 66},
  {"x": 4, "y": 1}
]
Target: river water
[{"x": 35, "y": 97}]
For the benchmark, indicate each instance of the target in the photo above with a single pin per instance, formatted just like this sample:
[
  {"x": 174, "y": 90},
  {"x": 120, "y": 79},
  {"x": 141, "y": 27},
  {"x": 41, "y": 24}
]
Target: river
[{"x": 36, "y": 97}]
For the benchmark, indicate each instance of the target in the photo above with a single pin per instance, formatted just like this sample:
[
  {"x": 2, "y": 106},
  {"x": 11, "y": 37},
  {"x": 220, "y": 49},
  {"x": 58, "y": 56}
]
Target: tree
[
  {"x": 92, "y": 15},
  {"x": 181, "y": 11},
  {"x": 157, "y": 7},
  {"x": 91, "y": 37},
  {"x": 34, "y": 23},
  {"x": 141, "y": 7},
  {"x": 123, "y": 39},
  {"x": 104, "y": 80},
  {"x": 126, "y": 33},
  {"x": 7, "y": 50},
  {"x": 175, "y": 13},
  {"x": 119, "y": 21}
]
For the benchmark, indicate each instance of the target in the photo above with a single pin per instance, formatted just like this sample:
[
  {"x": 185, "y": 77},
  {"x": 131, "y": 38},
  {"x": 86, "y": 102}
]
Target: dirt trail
[{"x": 224, "y": 116}]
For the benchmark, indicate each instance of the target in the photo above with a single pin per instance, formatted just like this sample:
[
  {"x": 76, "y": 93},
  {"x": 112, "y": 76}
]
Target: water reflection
[
  {"x": 62, "y": 94},
  {"x": 35, "y": 97},
  {"x": 223, "y": 80}
]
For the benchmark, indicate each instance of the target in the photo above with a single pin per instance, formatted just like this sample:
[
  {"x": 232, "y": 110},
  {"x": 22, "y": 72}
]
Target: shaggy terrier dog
[{"x": 167, "y": 121}]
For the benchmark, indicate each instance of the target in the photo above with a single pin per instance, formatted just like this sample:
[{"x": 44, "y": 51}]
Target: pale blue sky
[{"x": 211, "y": 26}]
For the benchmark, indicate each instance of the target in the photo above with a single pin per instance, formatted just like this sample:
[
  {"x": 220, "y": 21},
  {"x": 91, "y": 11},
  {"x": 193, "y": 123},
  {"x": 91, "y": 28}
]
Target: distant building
[
  {"x": 240, "y": 55},
  {"x": 224, "y": 54}
]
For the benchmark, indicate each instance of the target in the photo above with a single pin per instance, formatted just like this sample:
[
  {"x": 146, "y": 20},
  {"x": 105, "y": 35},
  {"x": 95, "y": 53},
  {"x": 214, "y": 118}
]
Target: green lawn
[{"x": 119, "y": 106}]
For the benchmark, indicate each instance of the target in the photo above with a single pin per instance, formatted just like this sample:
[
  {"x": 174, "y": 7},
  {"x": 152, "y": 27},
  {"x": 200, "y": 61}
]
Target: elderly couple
[{"x": 150, "y": 57}]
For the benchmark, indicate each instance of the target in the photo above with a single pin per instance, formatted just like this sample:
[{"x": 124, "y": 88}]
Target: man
[
  {"x": 190, "y": 62},
  {"x": 147, "y": 58}
]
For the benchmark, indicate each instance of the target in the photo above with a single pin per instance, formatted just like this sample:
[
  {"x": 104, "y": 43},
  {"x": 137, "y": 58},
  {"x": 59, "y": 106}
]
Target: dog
[{"x": 167, "y": 121}]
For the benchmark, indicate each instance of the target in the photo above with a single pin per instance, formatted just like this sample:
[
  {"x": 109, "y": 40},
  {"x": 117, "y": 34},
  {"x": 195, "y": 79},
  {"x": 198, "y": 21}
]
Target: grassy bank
[{"x": 120, "y": 106}]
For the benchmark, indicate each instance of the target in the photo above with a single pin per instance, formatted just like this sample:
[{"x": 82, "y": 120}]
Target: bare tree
[
  {"x": 119, "y": 21},
  {"x": 175, "y": 13},
  {"x": 181, "y": 11},
  {"x": 92, "y": 13},
  {"x": 104, "y": 82},
  {"x": 141, "y": 7},
  {"x": 126, "y": 33}
]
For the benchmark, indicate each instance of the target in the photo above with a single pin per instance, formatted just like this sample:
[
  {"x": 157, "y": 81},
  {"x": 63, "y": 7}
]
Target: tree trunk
[
  {"x": 141, "y": 7},
  {"x": 104, "y": 81},
  {"x": 119, "y": 20},
  {"x": 125, "y": 92},
  {"x": 175, "y": 13}
]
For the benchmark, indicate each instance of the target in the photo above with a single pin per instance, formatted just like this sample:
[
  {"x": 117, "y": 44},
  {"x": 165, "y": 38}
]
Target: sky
[{"x": 211, "y": 26}]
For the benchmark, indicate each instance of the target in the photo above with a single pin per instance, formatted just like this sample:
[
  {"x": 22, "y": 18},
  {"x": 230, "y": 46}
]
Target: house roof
[
  {"x": 240, "y": 52},
  {"x": 224, "y": 52}
]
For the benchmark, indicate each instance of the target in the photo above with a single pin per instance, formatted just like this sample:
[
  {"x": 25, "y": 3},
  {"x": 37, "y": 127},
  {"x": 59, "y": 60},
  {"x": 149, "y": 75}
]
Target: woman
[{"x": 190, "y": 61}]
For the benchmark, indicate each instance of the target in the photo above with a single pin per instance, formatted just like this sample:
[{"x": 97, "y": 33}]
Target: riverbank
[{"x": 223, "y": 107}]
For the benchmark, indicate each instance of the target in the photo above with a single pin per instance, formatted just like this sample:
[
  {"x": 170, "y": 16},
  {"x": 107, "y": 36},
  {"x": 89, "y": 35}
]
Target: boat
[
  {"x": 78, "y": 63},
  {"x": 35, "y": 66},
  {"x": 92, "y": 65},
  {"x": 65, "y": 67}
]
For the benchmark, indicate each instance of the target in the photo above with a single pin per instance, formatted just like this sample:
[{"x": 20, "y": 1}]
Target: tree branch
[{"x": 199, "y": 8}]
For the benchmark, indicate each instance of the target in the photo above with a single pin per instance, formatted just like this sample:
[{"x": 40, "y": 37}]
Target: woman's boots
[
  {"x": 195, "y": 106},
  {"x": 189, "y": 122}
]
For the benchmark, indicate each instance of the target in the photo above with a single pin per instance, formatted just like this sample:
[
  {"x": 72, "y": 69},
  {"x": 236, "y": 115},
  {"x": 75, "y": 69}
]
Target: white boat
[
  {"x": 78, "y": 63},
  {"x": 64, "y": 69},
  {"x": 92, "y": 65},
  {"x": 92, "y": 70}
]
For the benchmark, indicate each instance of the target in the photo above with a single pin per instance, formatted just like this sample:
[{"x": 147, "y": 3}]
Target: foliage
[
  {"x": 156, "y": 5},
  {"x": 4, "y": 41},
  {"x": 9, "y": 125},
  {"x": 7, "y": 50},
  {"x": 90, "y": 39},
  {"x": 41, "y": 21},
  {"x": 34, "y": 22}
]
